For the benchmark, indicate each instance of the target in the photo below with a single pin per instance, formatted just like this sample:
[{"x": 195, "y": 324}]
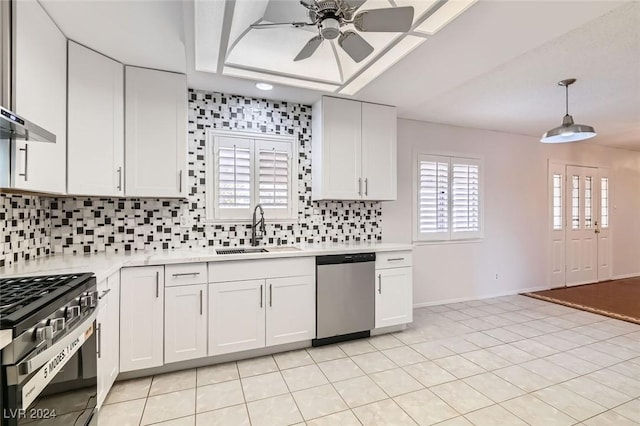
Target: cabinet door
[
  {"x": 111, "y": 340},
  {"x": 185, "y": 322},
  {"x": 40, "y": 95},
  {"x": 95, "y": 151},
  {"x": 141, "y": 318},
  {"x": 156, "y": 133},
  {"x": 393, "y": 297},
  {"x": 291, "y": 310},
  {"x": 108, "y": 320},
  {"x": 103, "y": 363},
  {"x": 339, "y": 145},
  {"x": 379, "y": 172},
  {"x": 236, "y": 320}
]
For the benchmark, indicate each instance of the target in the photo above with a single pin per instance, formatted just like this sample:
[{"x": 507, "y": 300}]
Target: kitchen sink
[
  {"x": 282, "y": 248},
  {"x": 240, "y": 250}
]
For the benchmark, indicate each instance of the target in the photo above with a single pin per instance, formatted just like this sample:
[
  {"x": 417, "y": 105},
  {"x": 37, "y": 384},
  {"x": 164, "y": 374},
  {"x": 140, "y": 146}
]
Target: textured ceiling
[{"x": 494, "y": 67}]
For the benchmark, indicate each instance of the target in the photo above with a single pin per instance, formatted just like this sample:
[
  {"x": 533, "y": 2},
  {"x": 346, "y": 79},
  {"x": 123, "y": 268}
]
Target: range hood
[{"x": 12, "y": 126}]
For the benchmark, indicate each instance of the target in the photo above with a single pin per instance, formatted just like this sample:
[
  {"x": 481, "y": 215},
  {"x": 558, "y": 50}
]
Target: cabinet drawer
[
  {"x": 185, "y": 274},
  {"x": 393, "y": 259}
]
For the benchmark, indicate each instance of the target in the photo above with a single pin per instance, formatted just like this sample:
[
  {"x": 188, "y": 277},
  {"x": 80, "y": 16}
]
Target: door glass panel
[
  {"x": 604, "y": 202},
  {"x": 557, "y": 201},
  {"x": 575, "y": 202},
  {"x": 588, "y": 215}
]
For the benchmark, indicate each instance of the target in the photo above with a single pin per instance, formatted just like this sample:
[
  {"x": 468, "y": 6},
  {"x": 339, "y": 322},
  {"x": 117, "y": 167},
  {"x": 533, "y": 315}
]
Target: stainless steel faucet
[{"x": 254, "y": 225}]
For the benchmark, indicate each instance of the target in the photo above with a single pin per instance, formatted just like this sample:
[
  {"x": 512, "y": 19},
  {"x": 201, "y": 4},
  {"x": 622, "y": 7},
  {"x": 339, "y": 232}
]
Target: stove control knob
[
  {"x": 72, "y": 312},
  {"x": 57, "y": 324},
  {"x": 44, "y": 333},
  {"x": 88, "y": 301}
]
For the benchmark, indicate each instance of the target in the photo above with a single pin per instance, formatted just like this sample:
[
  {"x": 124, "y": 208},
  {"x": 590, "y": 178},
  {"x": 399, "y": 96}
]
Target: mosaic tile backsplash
[{"x": 35, "y": 226}]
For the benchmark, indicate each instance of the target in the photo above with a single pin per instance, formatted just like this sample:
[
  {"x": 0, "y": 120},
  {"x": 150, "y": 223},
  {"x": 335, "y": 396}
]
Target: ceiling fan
[{"x": 331, "y": 15}]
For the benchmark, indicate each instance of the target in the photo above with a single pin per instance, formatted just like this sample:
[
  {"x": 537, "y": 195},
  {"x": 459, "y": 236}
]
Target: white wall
[{"x": 515, "y": 212}]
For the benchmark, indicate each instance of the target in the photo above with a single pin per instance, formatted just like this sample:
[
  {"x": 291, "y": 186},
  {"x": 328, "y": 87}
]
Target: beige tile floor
[{"x": 504, "y": 361}]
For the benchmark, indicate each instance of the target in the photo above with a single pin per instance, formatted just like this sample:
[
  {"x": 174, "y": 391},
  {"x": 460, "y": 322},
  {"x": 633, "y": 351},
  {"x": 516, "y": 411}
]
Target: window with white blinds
[
  {"x": 448, "y": 198},
  {"x": 245, "y": 171},
  {"x": 273, "y": 181}
]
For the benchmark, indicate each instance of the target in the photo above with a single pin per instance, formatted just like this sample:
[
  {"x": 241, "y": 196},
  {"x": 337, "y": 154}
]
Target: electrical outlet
[{"x": 185, "y": 221}]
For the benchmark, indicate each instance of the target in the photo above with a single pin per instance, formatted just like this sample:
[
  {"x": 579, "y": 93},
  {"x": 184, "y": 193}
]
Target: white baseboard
[
  {"x": 489, "y": 296},
  {"x": 622, "y": 277}
]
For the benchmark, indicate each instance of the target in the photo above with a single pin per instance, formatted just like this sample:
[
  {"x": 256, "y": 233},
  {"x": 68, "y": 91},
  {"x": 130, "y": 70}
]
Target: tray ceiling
[{"x": 225, "y": 43}]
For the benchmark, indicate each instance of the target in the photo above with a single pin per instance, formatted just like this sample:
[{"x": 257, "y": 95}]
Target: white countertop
[{"x": 104, "y": 264}]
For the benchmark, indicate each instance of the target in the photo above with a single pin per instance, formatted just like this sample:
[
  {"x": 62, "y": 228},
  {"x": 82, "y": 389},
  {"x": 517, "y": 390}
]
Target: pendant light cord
[{"x": 566, "y": 97}]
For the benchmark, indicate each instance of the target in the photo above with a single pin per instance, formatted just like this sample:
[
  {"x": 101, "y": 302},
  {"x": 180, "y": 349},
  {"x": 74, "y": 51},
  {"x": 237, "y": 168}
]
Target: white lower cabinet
[
  {"x": 185, "y": 322},
  {"x": 394, "y": 302},
  {"x": 108, "y": 326},
  {"x": 141, "y": 318},
  {"x": 291, "y": 310},
  {"x": 236, "y": 317},
  {"x": 260, "y": 308}
]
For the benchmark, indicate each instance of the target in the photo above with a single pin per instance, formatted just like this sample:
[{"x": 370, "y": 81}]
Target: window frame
[
  {"x": 241, "y": 215},
  {"x": 448, "y": 236}
]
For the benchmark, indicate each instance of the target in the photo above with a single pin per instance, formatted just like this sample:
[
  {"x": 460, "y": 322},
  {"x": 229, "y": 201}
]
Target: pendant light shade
[{"x": 568, "y": 131}]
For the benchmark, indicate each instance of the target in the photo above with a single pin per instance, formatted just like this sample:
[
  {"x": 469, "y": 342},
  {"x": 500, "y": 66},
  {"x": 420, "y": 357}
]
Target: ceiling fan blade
[
  {"x": 280, "y": 24},
  {"x": 355, "y": 45},
  {"x": 354, "y": 4},
  {"x": 309, "y": 48},
  {"x": 389, "y": 20}
]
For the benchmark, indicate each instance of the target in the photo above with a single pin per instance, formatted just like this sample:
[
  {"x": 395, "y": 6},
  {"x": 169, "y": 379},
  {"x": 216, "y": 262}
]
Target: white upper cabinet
[
  {"x": 95, "y": 148},
  {"x": 336, "y": 149},
  {"x": 353, "y": 151},
  {"x": 40, "y": 82},
  {"x": 156, "y": 133},
  {"x": 379, "y": 152}
]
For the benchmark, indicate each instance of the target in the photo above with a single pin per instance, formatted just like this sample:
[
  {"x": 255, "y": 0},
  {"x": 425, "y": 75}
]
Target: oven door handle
[{"x": 35, "y": 359}]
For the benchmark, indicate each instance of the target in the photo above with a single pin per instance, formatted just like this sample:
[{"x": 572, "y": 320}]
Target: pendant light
[{"x": 568, "y": 131}]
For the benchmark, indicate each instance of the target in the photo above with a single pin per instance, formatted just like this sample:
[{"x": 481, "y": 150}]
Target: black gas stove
[
  {"x": 25, "y": 301},
  {"x": 53, "y": 348}
]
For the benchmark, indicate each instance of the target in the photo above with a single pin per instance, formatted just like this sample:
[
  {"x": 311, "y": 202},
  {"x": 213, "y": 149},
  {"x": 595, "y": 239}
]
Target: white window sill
[{"x": 438, "y": 242}]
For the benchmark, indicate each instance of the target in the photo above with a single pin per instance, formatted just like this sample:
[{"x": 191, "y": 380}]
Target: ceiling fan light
[{"x": 264, "y": 86}]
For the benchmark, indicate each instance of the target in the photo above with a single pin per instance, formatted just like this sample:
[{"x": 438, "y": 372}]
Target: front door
[{"x": 580, "y": 240}]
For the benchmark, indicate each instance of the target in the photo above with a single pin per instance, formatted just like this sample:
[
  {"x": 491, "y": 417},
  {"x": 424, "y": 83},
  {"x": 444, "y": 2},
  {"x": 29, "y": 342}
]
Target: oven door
[{"x": 56, "y": 385}]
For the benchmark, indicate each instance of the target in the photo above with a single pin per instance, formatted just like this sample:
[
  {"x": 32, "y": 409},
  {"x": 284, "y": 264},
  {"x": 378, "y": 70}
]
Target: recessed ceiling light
[{"x": 264, "y": 86}]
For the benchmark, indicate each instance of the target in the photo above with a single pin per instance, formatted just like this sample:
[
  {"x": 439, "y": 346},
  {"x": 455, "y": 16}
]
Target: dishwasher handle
[{"x": 335, "y": 259}]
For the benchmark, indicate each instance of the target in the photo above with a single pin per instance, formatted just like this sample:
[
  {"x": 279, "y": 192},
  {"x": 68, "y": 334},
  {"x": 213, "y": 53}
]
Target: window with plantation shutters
[
  {"x": 448, "y": 196},
  {"x": 465, "y": 197},
  {"x": 234, "y": 177},
  {"x": 273, "y": 180},
  {"x": 244, "y": 170}
]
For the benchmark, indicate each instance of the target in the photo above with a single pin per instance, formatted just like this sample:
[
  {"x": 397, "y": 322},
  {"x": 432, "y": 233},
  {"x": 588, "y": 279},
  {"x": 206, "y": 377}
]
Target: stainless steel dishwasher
[{"x": 345, "y": 297}]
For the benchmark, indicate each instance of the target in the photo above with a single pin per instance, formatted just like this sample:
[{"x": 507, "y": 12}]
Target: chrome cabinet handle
[
  {"x": 180, "y": 181},
  {"x": 157, "y": 284},
  {"x": 185, "y": 274},
  {"x": 395, "y": 259},
  {"x": 99, "y": 333},
  {"x": 120, "y": 178},
  {"x": 104, "y": 293},
  {"x": 270, "y": 295},
  {"x": 379, "y": 283},
  {"x": 200, "y": 302},
  {"x": 261, "y": 295},
  {"x": 366, "y": 186},
  {"x": 26, "y": 161},
  {"x": 360, "y": 186}
]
